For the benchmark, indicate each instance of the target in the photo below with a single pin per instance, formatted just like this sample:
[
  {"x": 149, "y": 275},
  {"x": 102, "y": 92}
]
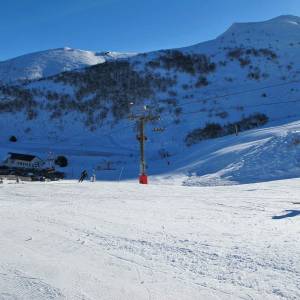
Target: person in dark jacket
[{"x": 83, "y": 175}]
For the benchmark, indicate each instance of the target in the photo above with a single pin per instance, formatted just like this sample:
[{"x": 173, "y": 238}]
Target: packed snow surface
[{"x": 124, "y": 241}]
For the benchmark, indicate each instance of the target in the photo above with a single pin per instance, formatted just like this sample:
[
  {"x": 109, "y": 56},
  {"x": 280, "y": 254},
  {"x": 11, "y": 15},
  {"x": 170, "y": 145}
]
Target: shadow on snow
[{"x": 289, "y": 214}]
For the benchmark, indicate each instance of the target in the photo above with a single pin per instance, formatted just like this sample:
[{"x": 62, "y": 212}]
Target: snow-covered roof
[{"x": 20, "y": 156}]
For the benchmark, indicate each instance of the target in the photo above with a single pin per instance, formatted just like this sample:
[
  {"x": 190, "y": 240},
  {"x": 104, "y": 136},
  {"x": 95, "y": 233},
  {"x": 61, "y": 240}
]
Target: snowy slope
[
  {"x": 124, "y": 241},
  {"x": 285, "y": 29},
  {"x": 51, "y": 62},
  {"x": 280, "y": 33},
  {"x": 271, "y": 153}
]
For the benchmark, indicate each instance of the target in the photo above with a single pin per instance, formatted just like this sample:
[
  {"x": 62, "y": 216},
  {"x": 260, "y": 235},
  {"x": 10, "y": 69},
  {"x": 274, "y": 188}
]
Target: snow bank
[{"x": 259, "y": 155}]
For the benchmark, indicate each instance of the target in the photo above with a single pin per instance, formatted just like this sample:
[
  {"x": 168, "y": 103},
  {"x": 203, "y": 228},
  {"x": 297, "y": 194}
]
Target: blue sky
[{"x": 124, "y": 25}]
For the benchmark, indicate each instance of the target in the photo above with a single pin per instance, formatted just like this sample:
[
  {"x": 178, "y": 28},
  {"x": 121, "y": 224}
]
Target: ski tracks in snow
[
  {"x": 14, "y": 286},
  {"x": 122, "y": 241}
]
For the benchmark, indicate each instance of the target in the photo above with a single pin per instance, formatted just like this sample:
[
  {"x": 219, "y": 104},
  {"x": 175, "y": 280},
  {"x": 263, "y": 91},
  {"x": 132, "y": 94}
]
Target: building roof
[{"x": 20, "y": 156}]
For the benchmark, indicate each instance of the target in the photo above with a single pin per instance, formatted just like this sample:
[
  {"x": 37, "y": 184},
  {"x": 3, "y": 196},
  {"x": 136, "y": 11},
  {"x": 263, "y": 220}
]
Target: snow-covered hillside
[
  {"x": 247, "y": 78},
  {"x": 124, "y": 241},
  {"x": 270, "y": 153},
  {"x": 258, "y": 155},
  {"x": 285, "y": 30},
  {"x": 51, "y": 62}
]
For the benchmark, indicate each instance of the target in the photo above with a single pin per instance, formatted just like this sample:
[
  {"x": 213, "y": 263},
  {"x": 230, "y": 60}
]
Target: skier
[{"x": 83, "y": 175}]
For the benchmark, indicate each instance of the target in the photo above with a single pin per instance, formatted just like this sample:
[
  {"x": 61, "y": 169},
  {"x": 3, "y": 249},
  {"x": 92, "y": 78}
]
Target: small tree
[
  {"x": 210, "y": 131},
  {"x": 13, "y": 139},
  {"x": 61, "y": 161}
]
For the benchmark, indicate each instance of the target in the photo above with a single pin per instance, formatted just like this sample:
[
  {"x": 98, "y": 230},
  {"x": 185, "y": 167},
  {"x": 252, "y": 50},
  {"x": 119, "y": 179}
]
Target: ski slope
[
  {"x": 258, "y": 155},
  {"x": 109, "y": 240},
  {"x": 269, "y": 153},
  {"x": 219, "y": 220}
]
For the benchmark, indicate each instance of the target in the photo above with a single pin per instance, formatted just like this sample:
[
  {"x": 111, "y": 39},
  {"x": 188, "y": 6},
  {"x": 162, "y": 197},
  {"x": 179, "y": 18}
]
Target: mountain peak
[
  {"x": 284, "y": 29},
  {"x": 289, "y": 19}
]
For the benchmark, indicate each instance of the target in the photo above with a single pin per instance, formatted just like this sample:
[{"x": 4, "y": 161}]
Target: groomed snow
[{"x": 125, "y": 241}]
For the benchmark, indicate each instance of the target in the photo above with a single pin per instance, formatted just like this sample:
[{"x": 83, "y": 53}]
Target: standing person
[
  {"x": 83, "y": 175},
  {"x": 93, "y": 177}
]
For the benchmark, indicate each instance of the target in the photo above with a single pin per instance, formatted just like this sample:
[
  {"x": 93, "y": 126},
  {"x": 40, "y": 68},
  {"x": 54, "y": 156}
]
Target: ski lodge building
[{"x": 25, "y": 161}]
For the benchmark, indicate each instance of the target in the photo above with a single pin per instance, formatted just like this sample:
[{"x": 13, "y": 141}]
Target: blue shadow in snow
[{"x": 289, "y": 214}]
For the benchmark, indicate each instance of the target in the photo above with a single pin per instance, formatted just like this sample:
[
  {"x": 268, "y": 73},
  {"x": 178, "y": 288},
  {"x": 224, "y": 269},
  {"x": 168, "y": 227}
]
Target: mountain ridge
[
  {"x": 50, "y": 62},
  {"x": 200, "y": 92}
]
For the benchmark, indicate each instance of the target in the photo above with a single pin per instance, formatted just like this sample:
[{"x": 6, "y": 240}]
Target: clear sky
[{"x": 124, "y": 25}]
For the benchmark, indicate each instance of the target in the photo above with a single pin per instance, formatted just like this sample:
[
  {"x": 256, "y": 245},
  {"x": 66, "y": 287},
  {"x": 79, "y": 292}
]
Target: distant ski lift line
[
  {"x": 249, "y": 106},
  {"x": 226, "y": 95},
  {"x": 240, "y": 92},
  {"x": 223, "y": 96}
]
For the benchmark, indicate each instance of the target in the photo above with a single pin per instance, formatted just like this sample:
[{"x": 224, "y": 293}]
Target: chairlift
[{"x": 158, "y": 129}]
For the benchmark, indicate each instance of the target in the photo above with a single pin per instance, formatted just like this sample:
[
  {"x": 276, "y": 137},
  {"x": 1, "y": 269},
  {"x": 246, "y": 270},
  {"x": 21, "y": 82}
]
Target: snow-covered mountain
[
  {"x": 283, "y": 30},
  {"x": 50, "y": 62},
  {"x": 246, "y": 78}
]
